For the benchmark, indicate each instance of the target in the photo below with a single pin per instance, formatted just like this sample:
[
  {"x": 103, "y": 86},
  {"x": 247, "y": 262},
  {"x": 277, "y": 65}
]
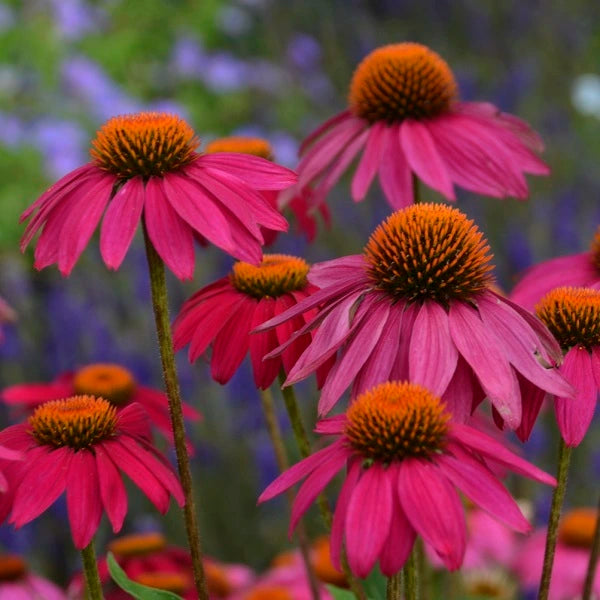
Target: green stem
[
  {"x": 274, "y": 431},
  {"x": 93, "y": 585},
  {"x": 160, "y": 303},
  {"x": 416, "y": 189},
  {"x": 564, "y": 458},
  {"x": 293, "y": 410},
  {"x": 593, "y": 563},
  {"x": 423, "y": 571},
  {"x": 410, "y": 577},
  {"x": 394, "y": 587}
]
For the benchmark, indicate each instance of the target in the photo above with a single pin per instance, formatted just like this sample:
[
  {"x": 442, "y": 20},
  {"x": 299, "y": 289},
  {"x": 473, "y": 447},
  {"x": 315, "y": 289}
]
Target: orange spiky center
[
  {"x": 429, "y": 252},
  {"x": 148, "y": 144},
  {"x": 217, "y": 580},
  {"x": 169, "y": 582},
  {"x": 595, "y": 249},
  {"x": 577, "y": 527},
  {"x": 78, "y": 422},
  {"x": 401, "y": 81},
  {"x": 395, "y": 420},
  {"x": 242, "y": 145},
  {"x": 277, "y": 274},
  {"x": 321, "y": 560},
  {"x": 572, "y": 315},
  {"x": 111, "y": 382},
  {"x": 137, "y": 544},
  {"x": 269, "y": 592},
  {"x": 12, "y": 567}
]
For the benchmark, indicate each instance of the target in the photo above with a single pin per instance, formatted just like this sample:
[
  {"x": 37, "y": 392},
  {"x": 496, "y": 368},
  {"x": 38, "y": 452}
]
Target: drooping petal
[
  {"x": 30, "y": 395},
  {"x": 433, "y": 356},
  {"x": 369, "y": 162},
  {"x": 170, "y": 235},
  {"x": 330, "y": 425},
  {"x": 264, "y": 371},
  {"x": 319, "y": 131},
  {"x": 120, "y": 222},
  {"x": 434, "y": 509},
  {"x": 494, "y": 451},
  {"x": 339, "y": 271},
  {"x": 368, "y": 519},
  {"x": 395, "y": 175},
  {"x": 84, "y": 503},
  {"x": 458, "y": 396},
  {"x": 480, "y": 348},
  {"x": 532, "y": 398},
  {"x": 574, "y": 415},
  {"x": 112, "y": 489}
]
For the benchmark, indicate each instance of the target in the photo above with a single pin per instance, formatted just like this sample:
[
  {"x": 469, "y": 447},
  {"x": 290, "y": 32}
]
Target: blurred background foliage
[{"x": 276, "y": 69}]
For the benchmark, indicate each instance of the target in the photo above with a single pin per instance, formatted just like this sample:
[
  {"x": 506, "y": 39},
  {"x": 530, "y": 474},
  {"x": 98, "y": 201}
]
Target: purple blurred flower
[
  {"x": 11, "y": 130},
  {"x": 62, "y": 143},
  {"x": 86, "y": 80},
  {"x": 7, "y": 17},
  {"x": 225, "y": 73},
  {"x": 304, "y": 52},
  {"x": 233, "y": 20},
  {"x": 188, "y": 58},
  {"x": 74, "y": 18}
]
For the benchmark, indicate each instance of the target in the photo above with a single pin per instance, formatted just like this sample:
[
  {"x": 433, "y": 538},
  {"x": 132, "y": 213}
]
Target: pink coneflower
[
  {"x": 112, "y": 382},
  {"x": 223, "y": 313},
  {"x": 573, "y": 317},
  {"x": 79, "y": 445},
  {"x": 575, "y": 535},
  {"x": 405, "y": 459},
  {"x": 577, "y": 270},
  {"x": 405, "y": 118},
  {"x": 417, "y": 305},
  {"x": 298, "y": 202},
  {"x": 18, "y": 583},
  {"x": 145, "y": 166}
]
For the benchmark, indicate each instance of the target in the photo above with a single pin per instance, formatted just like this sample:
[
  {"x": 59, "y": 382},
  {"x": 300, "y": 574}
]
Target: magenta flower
[
  {"x": 417, "y": 305},
  {"x": 575, "y": 535},
  {"x": 222, "y": 314},
  {"x": 80, "y": 445},
  {"x": 404, "y": 117},
  {"x": 576, "y": 270},
  {"x": 145, "y": 167},
  {"x": 18, "y": 583},
  {"x": 405, "y": 460},
  {"x": 103, "y": 380},
  {"x": 573, "y": 317}
]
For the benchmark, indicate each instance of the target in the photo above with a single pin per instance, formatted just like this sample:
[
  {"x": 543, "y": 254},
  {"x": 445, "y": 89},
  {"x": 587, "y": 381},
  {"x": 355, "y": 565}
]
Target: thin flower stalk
[
  {"x": 90, "y": 569},
  {"x": 593, "y": 563},
  {"x": 410, "y": 578}
]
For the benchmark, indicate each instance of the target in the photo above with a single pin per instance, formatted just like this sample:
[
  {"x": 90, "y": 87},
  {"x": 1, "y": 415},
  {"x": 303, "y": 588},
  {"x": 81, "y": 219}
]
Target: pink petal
[
  {"x": 424, "y": 158},
  {"x": 369, "y": 163},
  {"x": 480, "y": 348},
  {"x": 480, "y": 485},
  {"x": 332, "y": 122},
  {"x": 401, "y": 537},
  {"x": 494, "y": 451},
  {"x": 44, "y": 480},
  {"x": 434, "y": 509},
  {"x": 433, "y": 356},
  {"x": 315, "y": 483},
  {"x": 301, "y": 469},
  {"x": 399, "y": 370},
  {"x": 532, "y": 398},
  {"x": 112, "y": 489},
  {"x": 596, "y": 365},
  {"x": 133, "y": 419},
  {"x": 395, "y": 175},
  {"x": 120, "y": 222},
  {"x": 576, "y": 270},
  {"x": 354, "y": 355},
  {"x": 170, "y": 235},
  {"x": 368, "y": 518},
  {"x": 458, "y": 396},
  {"x": 341, "y": 510},
  {"x": 84, "y": 503},
  {"x": 574, "y": 415},
  {"x": 32, "y": 394},
  {"x": 331, "y": 425},
  {"x": 80, "y": 223},
  {"x": 339, "y": 271},
  {"x": 265, "y": 371}
]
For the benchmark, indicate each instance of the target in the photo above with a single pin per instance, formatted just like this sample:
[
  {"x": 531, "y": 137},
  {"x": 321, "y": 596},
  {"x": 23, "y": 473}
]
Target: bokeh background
[{"x": 276, "y": 69}]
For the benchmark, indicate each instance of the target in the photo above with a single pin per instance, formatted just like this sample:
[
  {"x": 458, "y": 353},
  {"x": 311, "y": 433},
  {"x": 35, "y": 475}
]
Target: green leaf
[
  {"x": 137, "y": 590},
  {"x": 375, "y": 585},
  {"x": 340, "y": 593}
]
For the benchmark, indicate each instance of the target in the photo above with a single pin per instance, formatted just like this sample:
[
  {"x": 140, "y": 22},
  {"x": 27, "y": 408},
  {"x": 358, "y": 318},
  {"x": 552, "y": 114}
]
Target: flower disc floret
[
  {"x": 109, "y": 381},
  {"x": 429, "y": 252},
  {"x": 138, "y": 544},
  {"x": 401, "y": 81},
  {"x": 397, "y": 420},
  {"x": 12, "y": 567},
  {"x": 572, "y": 315},
  {"x": 146, "y": 144},
  {"x": 577, "y": 527},
  {"x": 77, "y": 422},
  {"x": 277, "y": 274},
  {"x": 243, "y": 145}
]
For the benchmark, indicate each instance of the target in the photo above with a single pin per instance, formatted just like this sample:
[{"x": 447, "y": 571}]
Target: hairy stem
[
  {"x": 410, "y": 577},
  {"x": 93, "y": 586},
  {"x": 158, "y": 286},
  {"x": 394, "y": 587}
]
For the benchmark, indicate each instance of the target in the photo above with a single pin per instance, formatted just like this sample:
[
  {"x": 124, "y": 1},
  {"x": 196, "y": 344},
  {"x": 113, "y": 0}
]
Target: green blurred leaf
[
  {"x": 340, "y": 593},
  {"x": 137, "y": 590},
  {"x": 375, "y": 585}
]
